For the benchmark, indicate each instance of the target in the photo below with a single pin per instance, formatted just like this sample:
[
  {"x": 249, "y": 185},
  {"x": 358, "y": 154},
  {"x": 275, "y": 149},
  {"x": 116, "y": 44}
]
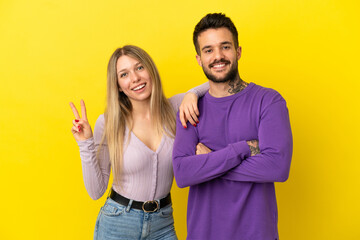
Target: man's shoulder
[
  {"x": 202, "y": 98},
  {"x": 266, "y": 93}
]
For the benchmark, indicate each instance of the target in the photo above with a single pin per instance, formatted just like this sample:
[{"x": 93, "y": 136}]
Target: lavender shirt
[
  {"x": 232, "y": 195},
  {"x": 146, "y": 175}
]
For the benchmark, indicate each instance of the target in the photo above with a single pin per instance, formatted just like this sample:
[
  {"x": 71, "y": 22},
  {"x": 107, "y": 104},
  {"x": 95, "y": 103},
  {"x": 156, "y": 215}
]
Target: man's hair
[{"x": 214, "y": 21}]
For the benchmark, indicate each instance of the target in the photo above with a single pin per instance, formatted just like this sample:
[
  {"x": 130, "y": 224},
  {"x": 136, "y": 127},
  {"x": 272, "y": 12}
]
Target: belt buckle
[{"x": 149, "y": 204}]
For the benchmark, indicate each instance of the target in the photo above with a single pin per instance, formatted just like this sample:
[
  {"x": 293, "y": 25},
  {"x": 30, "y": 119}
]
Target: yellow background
[{"x": 53, "y": 52}]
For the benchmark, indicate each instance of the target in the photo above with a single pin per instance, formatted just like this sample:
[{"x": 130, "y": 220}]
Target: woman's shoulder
[
  {"x": 99, "y": 126},
  {"x": 100, "y": 119}
]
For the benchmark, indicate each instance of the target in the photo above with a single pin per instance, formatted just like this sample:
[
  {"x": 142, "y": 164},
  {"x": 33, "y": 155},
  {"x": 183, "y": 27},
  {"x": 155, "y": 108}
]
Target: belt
[{"x": 148, "y": 206}]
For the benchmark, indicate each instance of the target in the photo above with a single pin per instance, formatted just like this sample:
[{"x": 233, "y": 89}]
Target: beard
[{"x": 231, "y": 75}]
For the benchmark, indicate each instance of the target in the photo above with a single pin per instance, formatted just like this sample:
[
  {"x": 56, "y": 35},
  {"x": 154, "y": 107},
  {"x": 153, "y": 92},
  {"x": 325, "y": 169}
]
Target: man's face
[{"x": 218, "y": 55}]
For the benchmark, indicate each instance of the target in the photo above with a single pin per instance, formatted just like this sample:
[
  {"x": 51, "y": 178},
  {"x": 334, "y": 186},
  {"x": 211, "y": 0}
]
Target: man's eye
[
  {"x": 226, "y": 47},
  {"x": 208, "y": 51}
]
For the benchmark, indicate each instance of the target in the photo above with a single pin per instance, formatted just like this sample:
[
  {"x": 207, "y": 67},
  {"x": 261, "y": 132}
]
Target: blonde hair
[{"x": 118, "y": 107}]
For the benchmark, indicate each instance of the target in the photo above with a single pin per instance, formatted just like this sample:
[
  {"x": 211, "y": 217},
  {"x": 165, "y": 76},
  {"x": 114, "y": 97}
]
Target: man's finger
[
  {"x": 83, "y": 110},
  {"x": 74, "y": 110}
]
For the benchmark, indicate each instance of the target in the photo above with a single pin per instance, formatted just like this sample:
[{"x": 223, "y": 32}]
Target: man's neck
[{"x": 228, "y": 88}]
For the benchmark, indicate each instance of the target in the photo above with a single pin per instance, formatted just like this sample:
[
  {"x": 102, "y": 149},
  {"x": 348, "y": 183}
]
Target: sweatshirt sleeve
[
  {"x": 275, "y": 143},
  {"x": 96, "y": 169},
  {"x": 199, "y": 91},
  {"x": 191, "y": 169}
]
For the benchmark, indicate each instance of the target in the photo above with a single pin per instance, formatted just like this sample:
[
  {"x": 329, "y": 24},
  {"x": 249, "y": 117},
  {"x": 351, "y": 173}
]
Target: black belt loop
[{"x": 148, "y": 206}]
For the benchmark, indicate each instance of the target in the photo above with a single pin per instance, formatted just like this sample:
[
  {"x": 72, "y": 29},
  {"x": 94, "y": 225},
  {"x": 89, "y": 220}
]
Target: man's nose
[{"x": 218, "y": 54}]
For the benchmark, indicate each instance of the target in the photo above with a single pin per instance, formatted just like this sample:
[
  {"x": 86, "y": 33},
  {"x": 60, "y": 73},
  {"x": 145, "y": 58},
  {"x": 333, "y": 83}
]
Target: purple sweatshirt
[{"x": 232, "y": 195}]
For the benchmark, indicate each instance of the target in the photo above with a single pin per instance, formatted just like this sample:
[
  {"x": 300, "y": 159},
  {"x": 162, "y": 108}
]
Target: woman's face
[{"x": 134, "y": 80}]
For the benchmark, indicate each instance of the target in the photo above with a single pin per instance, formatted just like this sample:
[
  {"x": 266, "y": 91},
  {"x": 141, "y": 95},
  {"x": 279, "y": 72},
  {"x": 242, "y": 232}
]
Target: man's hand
[
  {"x": 254, "y": 147},
  {"x": 188, "y": 110},
  {"x": 202, "y": 149}
]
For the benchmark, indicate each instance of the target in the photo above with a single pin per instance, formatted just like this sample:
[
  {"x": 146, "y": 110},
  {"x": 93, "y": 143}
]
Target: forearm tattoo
[
  {"x": 254, "y": 150},
  {"x": 254, "y": 147},
  {"x": 237, "y": 85}
]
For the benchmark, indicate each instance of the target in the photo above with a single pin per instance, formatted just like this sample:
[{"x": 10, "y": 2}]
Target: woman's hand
[
  {"x": 81, "y": 128},
  {"x": 202, "y": 149},
  {"x": 188, "y": 110}
]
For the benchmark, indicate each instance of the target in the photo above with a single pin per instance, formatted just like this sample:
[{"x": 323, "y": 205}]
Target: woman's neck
[{"x": 141, "y": 109}]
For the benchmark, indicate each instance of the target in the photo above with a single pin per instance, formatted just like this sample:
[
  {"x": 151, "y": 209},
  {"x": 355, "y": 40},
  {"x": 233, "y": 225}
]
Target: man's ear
[
  {"x": 198, "y": 58},
  {"x": 238, "y": 53}
]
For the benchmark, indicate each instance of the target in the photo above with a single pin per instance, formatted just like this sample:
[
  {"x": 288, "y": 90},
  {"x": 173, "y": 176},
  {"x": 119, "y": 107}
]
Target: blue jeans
[{"x": 116, "y": 221}]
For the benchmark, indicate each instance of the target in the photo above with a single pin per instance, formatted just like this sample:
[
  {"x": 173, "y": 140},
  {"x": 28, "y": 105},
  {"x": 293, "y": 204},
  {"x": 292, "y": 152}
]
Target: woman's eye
[
  {"x": 140, "y": 68},
  {"x": 123, "y": 75}
]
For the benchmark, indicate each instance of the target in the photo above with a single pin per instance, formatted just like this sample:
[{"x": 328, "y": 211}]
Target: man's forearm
[{"x": 190, "y": 169}]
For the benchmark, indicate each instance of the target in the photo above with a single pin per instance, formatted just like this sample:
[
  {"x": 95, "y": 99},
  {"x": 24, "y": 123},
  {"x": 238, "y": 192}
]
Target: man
[{"x": 240, "y": 147}]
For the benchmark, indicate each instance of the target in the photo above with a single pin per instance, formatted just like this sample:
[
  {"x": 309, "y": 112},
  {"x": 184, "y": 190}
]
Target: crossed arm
[
  {"x": 239, "y": 161},
  {"x": 253, "y": 145}
]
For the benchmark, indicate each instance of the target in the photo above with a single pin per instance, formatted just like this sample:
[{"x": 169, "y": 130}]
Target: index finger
[
  {"x": 74, "y": 110},
  {"x": 83, "y": 110}
]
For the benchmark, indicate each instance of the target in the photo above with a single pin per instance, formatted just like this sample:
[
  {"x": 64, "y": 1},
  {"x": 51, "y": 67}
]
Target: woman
[{"x": 134, "y": 138}]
